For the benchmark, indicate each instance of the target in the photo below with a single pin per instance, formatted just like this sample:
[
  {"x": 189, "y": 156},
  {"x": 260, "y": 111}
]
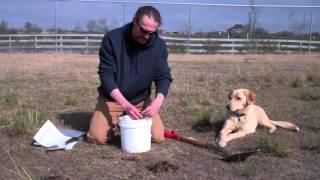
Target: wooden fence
[{"x": 90, "y": 43}]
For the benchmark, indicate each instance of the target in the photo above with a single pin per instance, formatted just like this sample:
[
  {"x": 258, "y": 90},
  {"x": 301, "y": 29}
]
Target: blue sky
[{"x": 175, "y": 17}]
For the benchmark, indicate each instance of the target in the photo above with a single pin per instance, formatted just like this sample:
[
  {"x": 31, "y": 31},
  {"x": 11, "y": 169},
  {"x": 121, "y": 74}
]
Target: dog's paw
[
  {"x": 222, "y": 143},
  {"x": 271, "y": 130}
]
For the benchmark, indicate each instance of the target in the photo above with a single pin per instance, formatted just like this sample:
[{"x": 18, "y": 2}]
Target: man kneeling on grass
[{"x": 131, "y": 58}]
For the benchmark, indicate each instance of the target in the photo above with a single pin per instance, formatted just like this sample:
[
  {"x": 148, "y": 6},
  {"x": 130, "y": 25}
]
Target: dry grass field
[{"x": 62, "y": 88}]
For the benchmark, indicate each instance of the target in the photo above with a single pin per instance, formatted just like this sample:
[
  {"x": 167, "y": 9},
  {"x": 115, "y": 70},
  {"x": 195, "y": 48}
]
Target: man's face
[{"x": 143, "y": 29}]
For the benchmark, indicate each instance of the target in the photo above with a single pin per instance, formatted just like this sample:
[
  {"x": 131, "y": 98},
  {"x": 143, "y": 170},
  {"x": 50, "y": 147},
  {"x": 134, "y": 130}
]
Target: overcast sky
[{"x": 175, "y": 17}]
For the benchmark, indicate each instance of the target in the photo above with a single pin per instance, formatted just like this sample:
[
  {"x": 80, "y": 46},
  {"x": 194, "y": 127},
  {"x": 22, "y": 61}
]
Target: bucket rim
[{"x": 127, "y": 121}]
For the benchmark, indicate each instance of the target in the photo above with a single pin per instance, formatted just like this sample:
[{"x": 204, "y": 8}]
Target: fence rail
[{"x": 90, "y": 43}]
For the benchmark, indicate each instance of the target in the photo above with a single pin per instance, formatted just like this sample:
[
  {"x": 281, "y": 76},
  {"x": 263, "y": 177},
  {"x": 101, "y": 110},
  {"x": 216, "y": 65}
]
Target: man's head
[{"x": 146, "y": 22}]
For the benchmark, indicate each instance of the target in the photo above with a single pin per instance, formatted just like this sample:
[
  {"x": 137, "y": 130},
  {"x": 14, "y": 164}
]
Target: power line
[{"x": 199, "y": 4}]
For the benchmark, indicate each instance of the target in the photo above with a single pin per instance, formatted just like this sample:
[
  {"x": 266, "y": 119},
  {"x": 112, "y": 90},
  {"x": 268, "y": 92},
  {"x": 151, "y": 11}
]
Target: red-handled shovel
[{"x": 226, "y": 155}]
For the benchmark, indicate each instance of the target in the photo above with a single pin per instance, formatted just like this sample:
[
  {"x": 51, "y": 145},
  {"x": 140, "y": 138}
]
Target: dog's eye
[{"x": 238, "y": 98}]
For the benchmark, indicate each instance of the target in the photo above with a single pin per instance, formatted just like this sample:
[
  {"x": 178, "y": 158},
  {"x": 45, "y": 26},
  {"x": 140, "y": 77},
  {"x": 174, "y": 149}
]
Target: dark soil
[{"x": 201, "y": 85}]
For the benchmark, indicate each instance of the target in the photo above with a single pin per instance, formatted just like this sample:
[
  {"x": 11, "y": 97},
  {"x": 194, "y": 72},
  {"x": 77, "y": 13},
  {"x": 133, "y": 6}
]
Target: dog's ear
[{"x": 250, "y": 96}]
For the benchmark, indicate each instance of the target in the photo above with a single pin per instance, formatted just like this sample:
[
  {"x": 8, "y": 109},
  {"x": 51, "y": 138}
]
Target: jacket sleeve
[
  {"x": 163, "y": 76},
  {"x": 107, "y": 69}
]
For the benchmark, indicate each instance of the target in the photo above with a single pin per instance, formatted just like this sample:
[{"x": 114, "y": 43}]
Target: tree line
[
  {"x": 92, "y": 26},
  {"x": 100, "y": 26}
]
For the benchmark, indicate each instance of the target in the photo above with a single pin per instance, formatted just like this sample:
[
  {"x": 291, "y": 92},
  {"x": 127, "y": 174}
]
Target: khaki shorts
[{"x": 106, "y": 118}]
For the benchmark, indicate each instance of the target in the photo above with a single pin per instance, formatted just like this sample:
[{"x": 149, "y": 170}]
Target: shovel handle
[
  {"x": 196, "y": 142},
  {"x": 192, "y": 140}
]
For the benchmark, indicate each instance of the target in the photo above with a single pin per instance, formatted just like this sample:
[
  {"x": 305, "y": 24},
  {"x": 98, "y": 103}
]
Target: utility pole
[
  {"x": 124, "y": 12},
  {"x": 251, "y": 17},
  {"x": 189, "y": 29},
  {"x": 55, "y": 24},
  {"x": 310, "y": 32}
]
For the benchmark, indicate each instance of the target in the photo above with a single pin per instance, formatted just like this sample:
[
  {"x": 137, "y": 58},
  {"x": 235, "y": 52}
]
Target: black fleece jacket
[{"x": 132, "y": 67}]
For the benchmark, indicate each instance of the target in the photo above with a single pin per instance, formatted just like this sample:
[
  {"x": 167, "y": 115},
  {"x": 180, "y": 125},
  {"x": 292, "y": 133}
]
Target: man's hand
[
  {"x": 154, "y": 107},
  {"x": 130, "y": 109}
]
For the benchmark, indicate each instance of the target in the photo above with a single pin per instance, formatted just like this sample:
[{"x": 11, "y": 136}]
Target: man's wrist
[
  {"x": 118, "y": 97},
  {"x": 124, "y": 103},
  {"x": 160, "y": 97}
]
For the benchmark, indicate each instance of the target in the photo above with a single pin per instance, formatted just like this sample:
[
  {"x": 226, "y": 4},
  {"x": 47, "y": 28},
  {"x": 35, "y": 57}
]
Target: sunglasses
[{"x": 144, "y": 31}]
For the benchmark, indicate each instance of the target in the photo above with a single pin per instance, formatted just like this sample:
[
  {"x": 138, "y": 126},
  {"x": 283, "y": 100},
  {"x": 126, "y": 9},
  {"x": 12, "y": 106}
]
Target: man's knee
[
  {"x": 157, "y": 129},
  {"x": 158, "y": 139},
  {"x": 96, "y": 138}
]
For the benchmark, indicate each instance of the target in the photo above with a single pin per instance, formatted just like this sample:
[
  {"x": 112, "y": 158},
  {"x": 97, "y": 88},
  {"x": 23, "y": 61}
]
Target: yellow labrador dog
[{"x": 244, "y": 117}]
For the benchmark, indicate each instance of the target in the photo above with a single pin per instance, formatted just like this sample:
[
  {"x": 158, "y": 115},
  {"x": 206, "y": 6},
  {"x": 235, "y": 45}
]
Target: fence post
[
  {"x": 232, "y": 47},
  {"x": 61, "y": 43},
  {"x": 310, "y": 33},
  {"x": 10, "y": 45},
  {"x": 35, "y": 43},
  {"x": 87, "y": 43}
]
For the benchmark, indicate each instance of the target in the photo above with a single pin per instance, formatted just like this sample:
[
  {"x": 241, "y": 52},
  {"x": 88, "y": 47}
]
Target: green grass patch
[
  {"x": 94, "y": 83},
  {"x": 26, "y": 121},
  {"x": 204, "y": 101},
  {"x": 247, "y": 170},
  {"x": 71, "y": 101},
  {"x": 281, "y": 79},
  {"x": 273, "y": 147},
  {"x": 308, "y": 94},
  {"x": 11, "y": 99},
  {"x": 184, "y": 100},
  {"x": 4, "y": 120},
  {"x": 12, "y": 83},
  {"x": 314, "y": 78},
  {"x": 202, "y": 118},
  {"x": 298, "y": 82}
]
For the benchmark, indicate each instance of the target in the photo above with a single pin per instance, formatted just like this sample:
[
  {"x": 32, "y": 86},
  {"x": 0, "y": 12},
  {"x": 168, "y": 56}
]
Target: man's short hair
[{"x": 150, "y": 11}]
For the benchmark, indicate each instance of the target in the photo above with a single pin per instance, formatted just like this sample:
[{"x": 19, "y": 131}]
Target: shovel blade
[{"x": 240, "y": 155}]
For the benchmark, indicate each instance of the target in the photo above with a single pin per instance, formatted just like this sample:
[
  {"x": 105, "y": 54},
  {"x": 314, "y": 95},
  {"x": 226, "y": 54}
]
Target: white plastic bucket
[{"x": 135, "y": 134}]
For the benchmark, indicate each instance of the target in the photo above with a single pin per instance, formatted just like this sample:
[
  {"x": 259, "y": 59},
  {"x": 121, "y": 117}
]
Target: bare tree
[
  {"x": 297, "y": 24},
  {"x": 31, "y": 28},
  {"x": 92, "y": 26},
  {"x": 78, "y": 27},
  {"x": 28, "y": 27},
  {"x": 97, "y": 26},
  {"x": 102, "y": 23},
  {"x": 3, "y": 26}
]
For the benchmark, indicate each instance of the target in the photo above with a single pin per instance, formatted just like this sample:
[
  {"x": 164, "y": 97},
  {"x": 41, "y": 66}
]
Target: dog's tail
[{"x": 285, "y": 124}]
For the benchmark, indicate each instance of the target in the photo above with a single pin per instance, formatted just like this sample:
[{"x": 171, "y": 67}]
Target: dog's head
[{"x": 239, "y": 99}]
